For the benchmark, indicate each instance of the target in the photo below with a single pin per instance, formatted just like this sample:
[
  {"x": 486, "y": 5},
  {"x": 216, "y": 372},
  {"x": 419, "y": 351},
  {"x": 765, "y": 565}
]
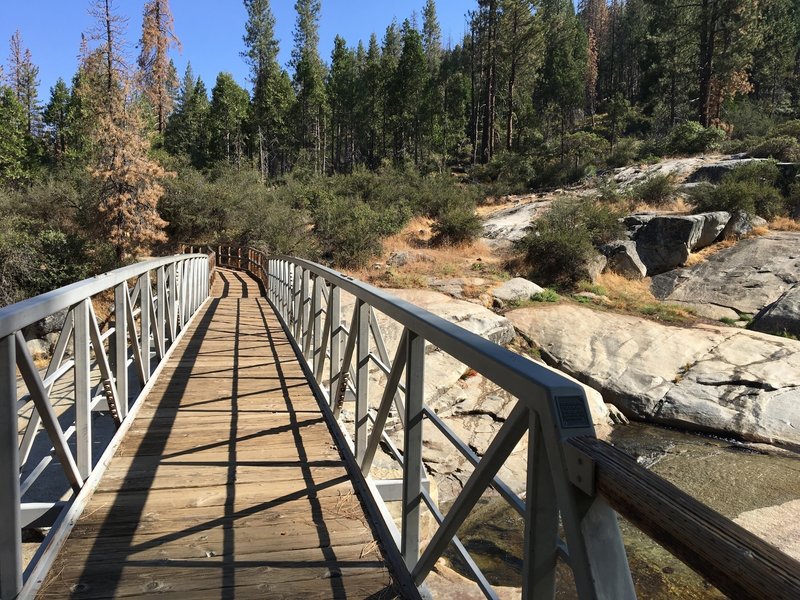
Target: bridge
[{"x": 205, "y": 428}]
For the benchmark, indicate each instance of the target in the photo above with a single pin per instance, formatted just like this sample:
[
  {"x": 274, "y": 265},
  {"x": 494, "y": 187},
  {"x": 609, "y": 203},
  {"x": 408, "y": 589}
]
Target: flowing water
[{"x": 730, "y": 477}]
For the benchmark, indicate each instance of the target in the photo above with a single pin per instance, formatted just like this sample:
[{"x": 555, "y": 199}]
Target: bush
[
  {"x": 782, "y": 147},
  {"x": 748, "y": 119},
  {"x": 790, "y": 128},
  {"x": 751, "y": 197},
  {"x": 564, "y": 240},
  {"x": 625, "y": 152},
  {"x": 507, "y": 173},
  {"x": 762, "y": 171},
  {"x": 346, "y": 230},
  {"x": 656, "y": 190},
  {"x": 690, "y": 137},
  {"x": 457, "y": 225}
]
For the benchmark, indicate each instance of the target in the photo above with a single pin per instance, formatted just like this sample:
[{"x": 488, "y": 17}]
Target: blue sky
[{"x": 210, "y": 30}]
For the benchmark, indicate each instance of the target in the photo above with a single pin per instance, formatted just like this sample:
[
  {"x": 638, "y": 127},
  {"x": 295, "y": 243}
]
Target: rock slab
[
  {"x": 517, "y": 289},
  {"x": 782, "y": 317},
  {"x": 716, "y": 379}
]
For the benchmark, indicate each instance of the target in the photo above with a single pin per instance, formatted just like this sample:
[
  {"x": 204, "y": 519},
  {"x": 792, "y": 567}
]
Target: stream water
[{"x": 731, "y": 478}]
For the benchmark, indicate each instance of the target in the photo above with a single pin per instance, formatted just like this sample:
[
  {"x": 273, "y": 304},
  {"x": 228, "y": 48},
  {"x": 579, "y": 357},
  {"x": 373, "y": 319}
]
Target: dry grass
[
  {"x": 677, "y": 207},
  {"x": 634, "y": 297},
  {"x": 784, "y": 224},
  {"x": 474, "y": 260},
  {"x": 695, "y": 258}
]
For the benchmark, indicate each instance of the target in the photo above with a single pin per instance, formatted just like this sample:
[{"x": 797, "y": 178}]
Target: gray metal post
[
  {"x": 541, "y": 520},
  {"x": 121, "y": 347},
  {"x": 83, "y": 390},
  {"x": 145, "y": 300},
  {"x": 161, "y": 306},
  {"x": 412, "y": 450},
  {"x": 10, "y": 532},
  {"x": 362, "y": 379},
  {"x": 335, "y": 310},
  {"x": 317, "y": 352}
]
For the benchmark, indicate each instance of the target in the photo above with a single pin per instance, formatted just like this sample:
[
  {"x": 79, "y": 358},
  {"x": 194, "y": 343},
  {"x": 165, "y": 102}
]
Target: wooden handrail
[{"x": 737, "y": 562}]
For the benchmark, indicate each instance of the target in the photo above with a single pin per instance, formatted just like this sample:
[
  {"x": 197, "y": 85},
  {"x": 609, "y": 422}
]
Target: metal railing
[
  {"x": 94, "y": 369},
  {"x": 575, "y": 485}
]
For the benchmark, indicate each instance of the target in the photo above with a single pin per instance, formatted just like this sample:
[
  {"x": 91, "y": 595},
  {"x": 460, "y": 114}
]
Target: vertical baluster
[
  {"x": 121, "y": 347},
  {"x": 412, "y": 449},
  {"x": 161, "y": 307},
  {"x": 362, "y": 379},
  {"x": 173, "y": 304},
  {"x": 10, "y": 532},
  {"x": 541, "y": 520},
  {"x": 335, "y": 313},
  {"x": 145, "y": 300},
  {"x": 83, "y": 389},
  {"x": 319, "y": 351}
]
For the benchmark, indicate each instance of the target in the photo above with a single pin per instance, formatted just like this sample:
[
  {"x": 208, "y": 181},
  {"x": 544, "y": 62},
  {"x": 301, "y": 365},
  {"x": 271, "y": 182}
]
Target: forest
[{"x": 127, "y": 158}]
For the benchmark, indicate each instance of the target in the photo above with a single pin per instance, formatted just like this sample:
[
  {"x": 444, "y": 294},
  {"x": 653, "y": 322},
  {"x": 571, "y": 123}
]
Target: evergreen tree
[
  {"x": 309, "y": 85},
  {"x": 342, "y": 99},
  {"x": 368, "y": 105},
  {"x": 156, "y": 71},
  {"x": 227, "y": 120},
  {"x": 390, "y": 57},
  {"x": 407, "y": 94},
  {"x": 272, "y": 95},
  {"x": 56, "y": 118},
  {"x": 187, "y": 129},
  {"x": 12, "y": 138},
  {"x": 774, "y": 61},
  {"x": 23, "y": 78},
  {"x": 127, "y": 179},
  {"x": 516, "y": 47},
  {"x": 560, "y": 87}
]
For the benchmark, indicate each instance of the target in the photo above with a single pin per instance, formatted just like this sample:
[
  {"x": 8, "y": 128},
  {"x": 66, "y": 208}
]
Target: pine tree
[
  {"x": 156, "y": 72},
  {"x": 407, "y": 94},
  {"x": 227, "y": 119},
  {"x": 560, "y": 85},
  {"x": 342, "y": 100},
  {"x": 272, "y": 97},
  {"x": 56, "y": 118},
  {"x": 390, "y": 57},
  {"x": 127, "y": 179},
  {"x": 774, "y": 61},
  {"x": 368, "y": 106},
  {"x": 13, "y": 169},
  {"x": 516, "y": 45},
  {"x": 23, "y": 78},
  {"x": 309, "y": 85}
]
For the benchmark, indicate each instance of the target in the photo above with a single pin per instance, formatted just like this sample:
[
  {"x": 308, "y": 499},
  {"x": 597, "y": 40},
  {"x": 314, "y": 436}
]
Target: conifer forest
[{"x": 326, "y": 156}]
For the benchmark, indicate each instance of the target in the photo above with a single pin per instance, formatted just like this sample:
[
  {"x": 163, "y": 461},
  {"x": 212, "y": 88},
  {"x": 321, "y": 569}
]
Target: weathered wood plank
[{"x": 229, "y": 483}]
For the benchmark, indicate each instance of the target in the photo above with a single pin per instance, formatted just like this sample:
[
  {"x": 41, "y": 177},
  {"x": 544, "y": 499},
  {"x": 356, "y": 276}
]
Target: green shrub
[
  {"x": 748, "y": 119},
  {"x": 564, "y": 239},
  {"x": 690, "y": 137},
  {"x": 346, "y": 229},
  {"x": 790, "y": 128},
  {"x": 656, "y": 190},
  {"x": 762, "y": 171},
  {"x": 782, "y": 147},
  {"x": 625, "y": 152},
  {"x": 546, "y": 295},
  {"x": 457, "y": 224},
  {"x": 507, "y": 173},
  {"x": 751, "y": 197}
]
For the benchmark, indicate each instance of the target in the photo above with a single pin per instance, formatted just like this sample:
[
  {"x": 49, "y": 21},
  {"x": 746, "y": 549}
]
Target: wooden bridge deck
[{"x": 228, "y": 483}]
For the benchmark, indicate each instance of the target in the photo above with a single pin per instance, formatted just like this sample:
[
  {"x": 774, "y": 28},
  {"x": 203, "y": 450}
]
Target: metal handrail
[
  {"x": 571, "y": 474},
  {"x": 111, "y": 371},
  {"x": 553, "y": 408}
]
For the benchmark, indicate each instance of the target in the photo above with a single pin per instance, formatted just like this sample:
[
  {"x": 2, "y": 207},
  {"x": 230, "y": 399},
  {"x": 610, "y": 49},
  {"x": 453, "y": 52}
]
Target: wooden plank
[
  {"x": 228, "y": 480},
  {"x": 731, "y": 558}
]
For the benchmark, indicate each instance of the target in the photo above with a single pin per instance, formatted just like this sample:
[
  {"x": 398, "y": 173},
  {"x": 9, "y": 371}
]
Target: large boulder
[
  {"x": 745, "y": 277},
  {"x": 512, "y": 223},
  {"x": 714, "y": 172},
  {"x": 782, "y": 316},
  {"x": 718, "y": 379},
  {"x": 624, "y": 259},
  {"x": 50, "y": 324},
  {"x": 665, "y": 242},
  {"x": 517, "y": 289}
]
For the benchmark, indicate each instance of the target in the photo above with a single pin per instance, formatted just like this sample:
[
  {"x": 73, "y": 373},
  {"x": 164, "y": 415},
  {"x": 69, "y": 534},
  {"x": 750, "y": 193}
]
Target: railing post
[
  {"x": 335, "y": 315},
  {"x": 145, "y": 300},
  {"x": 121, "y": 347},
  {"x": 173, "y": 303},
  {"x": 541, "y": 520},
  {"x": 161, "y": 306},
  {"x": 412, "y": 450},
  {"x": 83, "y": 389},
  {"x": 10, "y": 531},
  {"x": 362, "y": 379}
]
